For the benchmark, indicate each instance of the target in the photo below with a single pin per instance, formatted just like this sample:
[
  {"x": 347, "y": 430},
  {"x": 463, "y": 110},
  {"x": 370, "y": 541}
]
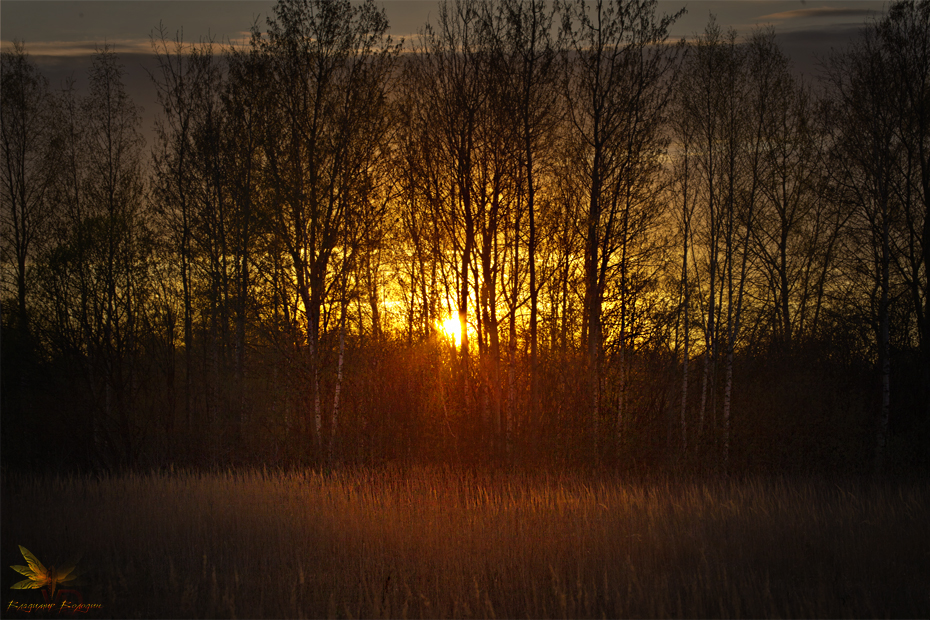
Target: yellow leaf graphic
[
  {"x": 23, "y": 570},
  {"x": 41, "y": 577},
  {"x": 32, "y": 561},
  {"x": 26, "y": 584}
]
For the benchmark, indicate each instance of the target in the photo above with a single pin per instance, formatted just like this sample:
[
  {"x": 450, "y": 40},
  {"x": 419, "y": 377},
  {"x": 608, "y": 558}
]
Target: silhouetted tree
[
  {"x": 96, "y": 277},
  {"x": 448, "y": 72},
  {"x": 186, "y": 75},
  {"x": 618, "y": 84},
  {"x": 879, "y": 89},
  {"x": 329, "y": 63},
  {"x": 27, "y": 148}
]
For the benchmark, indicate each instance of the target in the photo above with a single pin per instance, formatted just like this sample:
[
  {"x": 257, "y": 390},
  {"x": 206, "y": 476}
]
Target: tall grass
[{"x": 438, "y": 543}]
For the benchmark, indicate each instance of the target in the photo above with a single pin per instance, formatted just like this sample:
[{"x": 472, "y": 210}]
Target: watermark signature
[
  {"x": 60, "y": 600},
  {"x": 62, "y": 607}
]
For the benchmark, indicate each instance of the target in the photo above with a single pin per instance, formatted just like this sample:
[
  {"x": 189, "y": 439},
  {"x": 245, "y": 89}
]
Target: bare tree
[
  {"x": 682, "y": 189},
  {"x": 448, "y": 73},
  {"x": 242, "y": 134},
  {"x": 879, "y": 89},
  {"x": 904, "y": 35},
  {"x": 618, "y": 84},
  {"x": 330, "y": 62},
  {"x": 27, "y": 142},
  {"x": 731, "y": 87},
  {"x": 97, "y": 275},
  {"x": 186, "y": 73},
  {"x": 533, "y": 79}
]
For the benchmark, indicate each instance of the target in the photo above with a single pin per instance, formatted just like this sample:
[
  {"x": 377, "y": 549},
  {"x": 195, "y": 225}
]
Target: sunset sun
[{"x": 452, "y": 329}]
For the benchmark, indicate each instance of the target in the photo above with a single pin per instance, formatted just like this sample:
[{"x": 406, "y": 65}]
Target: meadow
[{"x": 446, "y": 543}]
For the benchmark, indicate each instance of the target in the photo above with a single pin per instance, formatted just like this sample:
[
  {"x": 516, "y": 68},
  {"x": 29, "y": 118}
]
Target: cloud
[
  {"x": 83, "y": 48},
  {"x": 39, "y": 49},
  {"x": 824, "y": 11}
]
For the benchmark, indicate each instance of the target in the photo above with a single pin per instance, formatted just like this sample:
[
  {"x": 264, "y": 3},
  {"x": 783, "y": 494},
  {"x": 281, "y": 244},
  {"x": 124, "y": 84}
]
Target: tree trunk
[
  {"x": 884, "y": 345},
  {"x": 338, "y": 389}
]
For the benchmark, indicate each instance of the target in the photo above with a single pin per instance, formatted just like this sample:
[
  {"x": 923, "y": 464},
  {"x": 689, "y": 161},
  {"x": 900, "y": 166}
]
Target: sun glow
[{"x": 452, "y": 329}]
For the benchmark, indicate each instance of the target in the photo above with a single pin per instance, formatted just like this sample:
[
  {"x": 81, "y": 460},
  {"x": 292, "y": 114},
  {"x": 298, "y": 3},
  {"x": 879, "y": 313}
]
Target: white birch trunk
[{"x": 338, "y": 390}]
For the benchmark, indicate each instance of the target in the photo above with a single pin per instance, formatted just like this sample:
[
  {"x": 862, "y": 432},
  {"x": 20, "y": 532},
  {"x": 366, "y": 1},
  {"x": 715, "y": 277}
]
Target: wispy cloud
[
  {"x": 83, "y": 48},
  {"x": 88, "y": 48},
  {"x": 824, "y": 11}
]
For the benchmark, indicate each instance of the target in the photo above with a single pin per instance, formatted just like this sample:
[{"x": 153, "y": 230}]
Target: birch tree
[
  {"x": 448, "y": 74},
  {"x": 329, "y": 63},
  {"x": 905, "y": 39},
  {"x": 618, "y": 84},
  {"x": 730, "y": 86},
  {"x": 27, "y": 148},
  {"x": 96, "y": 276},
  {"x": 181, "y": 82},
  {"x": 879, "y": 100},
  {"x": 533, "y": 78}
]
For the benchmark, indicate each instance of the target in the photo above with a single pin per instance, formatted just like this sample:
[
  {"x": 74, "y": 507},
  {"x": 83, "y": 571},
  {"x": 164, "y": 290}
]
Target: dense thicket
[{"x": 543, "y": 233}]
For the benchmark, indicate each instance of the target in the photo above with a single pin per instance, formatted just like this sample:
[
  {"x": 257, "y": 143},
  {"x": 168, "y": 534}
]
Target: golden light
[{"x": 452, "y": 329}]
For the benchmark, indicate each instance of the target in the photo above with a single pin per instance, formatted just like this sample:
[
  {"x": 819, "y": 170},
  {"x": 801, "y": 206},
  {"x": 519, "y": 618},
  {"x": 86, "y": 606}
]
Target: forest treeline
[{"x": 659, "y": 254}]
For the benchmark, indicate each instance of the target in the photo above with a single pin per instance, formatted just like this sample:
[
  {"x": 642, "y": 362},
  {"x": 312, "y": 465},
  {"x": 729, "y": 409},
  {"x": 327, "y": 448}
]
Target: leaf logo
[{"x": 40, "y": 577}]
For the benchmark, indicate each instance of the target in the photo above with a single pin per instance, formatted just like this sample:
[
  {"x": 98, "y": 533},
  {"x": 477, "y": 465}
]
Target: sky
[
  {"x": 67, "y": 28},
  {"x": 61, "y": 35}
]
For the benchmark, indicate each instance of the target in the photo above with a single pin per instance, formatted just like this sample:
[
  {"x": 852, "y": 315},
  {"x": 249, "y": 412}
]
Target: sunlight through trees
[{"x": 540, "y": 230}]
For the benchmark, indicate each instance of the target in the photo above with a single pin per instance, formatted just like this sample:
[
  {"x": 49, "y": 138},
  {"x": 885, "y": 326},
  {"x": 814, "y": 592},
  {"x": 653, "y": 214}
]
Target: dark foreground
[{"x": 434, "y": 543}]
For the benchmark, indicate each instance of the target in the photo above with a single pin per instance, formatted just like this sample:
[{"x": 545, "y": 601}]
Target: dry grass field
[{"x": 438, "y": 543}]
